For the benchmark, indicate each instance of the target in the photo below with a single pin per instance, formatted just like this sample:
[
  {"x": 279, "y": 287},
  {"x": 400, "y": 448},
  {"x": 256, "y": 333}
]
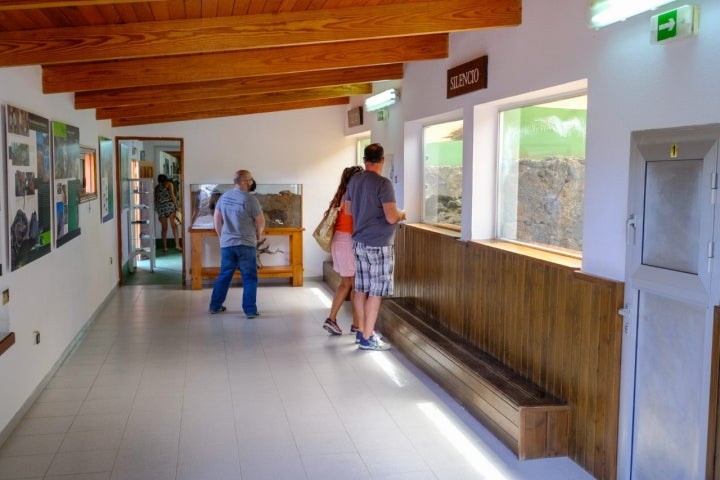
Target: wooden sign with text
[
  {"x": 467, "y": 77},
  {"x": 355, "y": 117}
]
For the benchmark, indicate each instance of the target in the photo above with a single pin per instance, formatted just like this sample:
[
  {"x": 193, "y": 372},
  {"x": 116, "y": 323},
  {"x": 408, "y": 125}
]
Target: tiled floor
[
  {"x": 167, "y": 271},
  {"x": 160, "y": 389}
]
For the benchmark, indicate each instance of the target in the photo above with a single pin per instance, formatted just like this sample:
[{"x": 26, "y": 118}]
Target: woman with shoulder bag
[{"x": 342, "y": 254}]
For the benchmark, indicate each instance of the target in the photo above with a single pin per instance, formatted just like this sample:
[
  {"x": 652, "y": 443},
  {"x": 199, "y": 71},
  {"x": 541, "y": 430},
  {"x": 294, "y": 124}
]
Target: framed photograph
[
  {"x": 107, "y": 182},
  {"x": 68, "y": 181},
  {"x": 28, "y": 186}
]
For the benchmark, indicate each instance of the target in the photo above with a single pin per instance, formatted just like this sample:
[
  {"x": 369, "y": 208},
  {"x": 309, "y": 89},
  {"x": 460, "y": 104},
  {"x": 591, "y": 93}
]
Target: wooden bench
[{"x": 531, "y": 422}]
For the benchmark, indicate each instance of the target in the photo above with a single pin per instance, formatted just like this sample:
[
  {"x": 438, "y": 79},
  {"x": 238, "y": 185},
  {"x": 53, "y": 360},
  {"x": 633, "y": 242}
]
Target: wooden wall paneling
[
  {"x": 468, "y": 291},
  {"x": 403, "y": 255},
  {"x": 558, "y": 355},
  {"x": 516, "y": 308},
  {"x": 592, "y": 365},
  {"x": 536, "y": 318},
  {"x": 494, "y": 323},
  {"x": 557, "y": 326},
  {"x": 608, "y": 409},
  {"x": 551, "y": 313},
  {"x": 713, "y": 452},
  {"x": 472, "y": 293},
  {"x": 435, "y": 270},
  {"x": 457, "y": 318}
]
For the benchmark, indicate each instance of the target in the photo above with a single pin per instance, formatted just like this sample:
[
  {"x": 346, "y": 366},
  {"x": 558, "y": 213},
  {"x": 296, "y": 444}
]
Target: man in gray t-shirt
[
  {"x": 239, "y": 222},
  {"x": 371, "y": 199}
]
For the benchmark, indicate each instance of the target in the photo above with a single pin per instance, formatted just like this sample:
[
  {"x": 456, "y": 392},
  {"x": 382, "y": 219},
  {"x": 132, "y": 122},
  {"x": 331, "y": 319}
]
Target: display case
[
  {"x": 280, "y": 251},
  {"x": 141, "y": 224}
]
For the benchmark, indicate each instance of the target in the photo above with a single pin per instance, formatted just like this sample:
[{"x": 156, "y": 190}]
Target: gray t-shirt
[
  {"x": 238, "y": 209},
  {"x": 367, "y": 191}
]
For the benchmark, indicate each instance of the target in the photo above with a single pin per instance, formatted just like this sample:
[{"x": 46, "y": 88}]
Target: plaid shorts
[{"x": 374, "y": 269}]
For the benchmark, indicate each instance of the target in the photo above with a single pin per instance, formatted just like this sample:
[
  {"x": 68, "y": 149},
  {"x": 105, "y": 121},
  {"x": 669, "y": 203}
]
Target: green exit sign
[{"x": 681, "y": 22}]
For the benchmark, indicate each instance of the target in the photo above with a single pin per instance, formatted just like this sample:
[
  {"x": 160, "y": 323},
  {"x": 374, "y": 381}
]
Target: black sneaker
[
  {"x": 252, "y": 315},
  {"x": 221, "y": 309}
]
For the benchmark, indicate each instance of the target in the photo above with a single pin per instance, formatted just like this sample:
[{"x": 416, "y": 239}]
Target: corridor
[{"x": 160, "y": 389}]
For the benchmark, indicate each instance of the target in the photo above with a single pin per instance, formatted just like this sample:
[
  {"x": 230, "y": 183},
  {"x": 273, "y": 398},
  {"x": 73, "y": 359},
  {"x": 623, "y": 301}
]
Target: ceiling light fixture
[
  {"x": 605, "y": 12},
  {"x": 382, "y": 100}
]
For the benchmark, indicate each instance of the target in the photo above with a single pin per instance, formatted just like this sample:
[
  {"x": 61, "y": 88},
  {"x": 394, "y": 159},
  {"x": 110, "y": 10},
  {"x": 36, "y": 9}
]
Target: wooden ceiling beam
[
  {"x": 181, "y": 37},
  {"x": 239, "y": 101},
  {"x": 246, "y": 86},
  {"x": 7, "y": 5},
  {"x": 230, "y": 112},
  {"x": 270, "y": 61}
]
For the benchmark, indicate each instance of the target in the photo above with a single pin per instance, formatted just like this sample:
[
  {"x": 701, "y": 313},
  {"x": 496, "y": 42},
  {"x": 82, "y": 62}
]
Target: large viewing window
[
  {"x": 88, "y": 165},
  {"x": 442, "y": 173},
  {"x": 541, "y": 172}
]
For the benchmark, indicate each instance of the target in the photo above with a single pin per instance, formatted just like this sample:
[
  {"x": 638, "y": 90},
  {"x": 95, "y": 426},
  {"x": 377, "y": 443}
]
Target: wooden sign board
[
  {"x": 355, "y": 116},
  {"x": 467, "y": 77}
]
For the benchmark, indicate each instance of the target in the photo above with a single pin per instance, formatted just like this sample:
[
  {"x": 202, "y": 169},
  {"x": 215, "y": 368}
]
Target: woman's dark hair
[
  {"x": 342, "y": 188},
  {"x": 162, "y": 178}
]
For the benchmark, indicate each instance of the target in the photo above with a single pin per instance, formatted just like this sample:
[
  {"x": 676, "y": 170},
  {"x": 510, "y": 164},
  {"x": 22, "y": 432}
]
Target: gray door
[{"x": 670, "y": 294}]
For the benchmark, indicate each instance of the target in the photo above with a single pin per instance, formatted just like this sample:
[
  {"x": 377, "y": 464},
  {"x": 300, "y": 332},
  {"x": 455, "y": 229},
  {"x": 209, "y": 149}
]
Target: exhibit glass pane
[
  {"x": 442, "y": 173},
  {"x": 541, "y": 174},
  {"x": 281, "y": 204},
  {"x": 672, "y": 214}
]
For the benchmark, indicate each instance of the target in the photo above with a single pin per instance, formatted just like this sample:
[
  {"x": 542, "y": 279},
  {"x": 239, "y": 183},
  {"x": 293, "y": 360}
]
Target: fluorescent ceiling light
[
  {"x": 381, "y": 100},
  {"x": 605, "y": 12}
]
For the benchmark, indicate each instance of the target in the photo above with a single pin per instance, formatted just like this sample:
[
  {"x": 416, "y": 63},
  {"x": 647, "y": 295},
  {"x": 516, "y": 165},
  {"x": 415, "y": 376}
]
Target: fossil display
[{"x": 281, "y": 203}]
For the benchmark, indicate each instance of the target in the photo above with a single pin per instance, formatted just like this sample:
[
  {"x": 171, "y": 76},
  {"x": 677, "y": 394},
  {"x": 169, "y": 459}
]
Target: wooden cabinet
[{"x": 293, "y": 271}]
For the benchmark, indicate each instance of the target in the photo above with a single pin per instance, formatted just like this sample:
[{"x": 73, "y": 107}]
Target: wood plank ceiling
[{"x": 141, "y": 62}]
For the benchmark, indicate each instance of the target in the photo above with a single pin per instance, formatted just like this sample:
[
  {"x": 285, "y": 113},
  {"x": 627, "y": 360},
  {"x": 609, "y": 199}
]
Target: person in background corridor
[
  {"x": 343, "y": 256},
  {"x": 166, "y": 205},
  {"x": 370, "y": 198},
  {"x": 239, "y": 221}
]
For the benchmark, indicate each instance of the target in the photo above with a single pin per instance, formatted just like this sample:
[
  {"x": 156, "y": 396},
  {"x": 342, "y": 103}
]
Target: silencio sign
[{"x": 467, "y": 77}]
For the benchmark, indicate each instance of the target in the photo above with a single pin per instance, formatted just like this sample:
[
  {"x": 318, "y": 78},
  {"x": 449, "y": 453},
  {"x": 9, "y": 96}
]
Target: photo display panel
[{"x": 28, "y": 186}]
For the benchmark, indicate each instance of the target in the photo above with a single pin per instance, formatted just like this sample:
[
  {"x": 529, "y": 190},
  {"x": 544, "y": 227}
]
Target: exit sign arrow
[
  {"x": 666, "y": 25},
  {"x": 669, "y": 25},
  {"x": 678, "y": 23}
]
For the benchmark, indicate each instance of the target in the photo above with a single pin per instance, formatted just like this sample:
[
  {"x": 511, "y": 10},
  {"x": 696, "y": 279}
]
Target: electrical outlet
[{"x": 6, "y": 296}]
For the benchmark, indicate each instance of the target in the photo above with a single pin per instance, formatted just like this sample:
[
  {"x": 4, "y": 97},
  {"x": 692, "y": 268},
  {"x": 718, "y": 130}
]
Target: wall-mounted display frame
[
  {"x": 88, "y": 162},
  {"x": 28, "y": 186},
  {"x": 107, "y": 181},
  {"x": 67, "y": 181}
]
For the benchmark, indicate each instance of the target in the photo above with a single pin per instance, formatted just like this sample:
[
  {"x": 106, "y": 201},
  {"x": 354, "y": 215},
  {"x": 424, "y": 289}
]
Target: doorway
[
  {"x": 670, "y": 293},
  {"x": 145, "y": 260}
]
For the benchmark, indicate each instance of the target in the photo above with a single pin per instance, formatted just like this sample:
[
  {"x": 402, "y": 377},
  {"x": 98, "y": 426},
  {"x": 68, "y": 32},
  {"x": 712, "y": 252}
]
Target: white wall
[
  {"x": 632, "y": 85},
  {"x": 59, "y": 292},
  {"x": 303, "y": 146},
  {"x": 299, "y": 146}
]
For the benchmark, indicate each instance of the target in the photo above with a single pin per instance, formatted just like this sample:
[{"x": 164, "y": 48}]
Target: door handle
[{"x": 630, "y": 229}]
